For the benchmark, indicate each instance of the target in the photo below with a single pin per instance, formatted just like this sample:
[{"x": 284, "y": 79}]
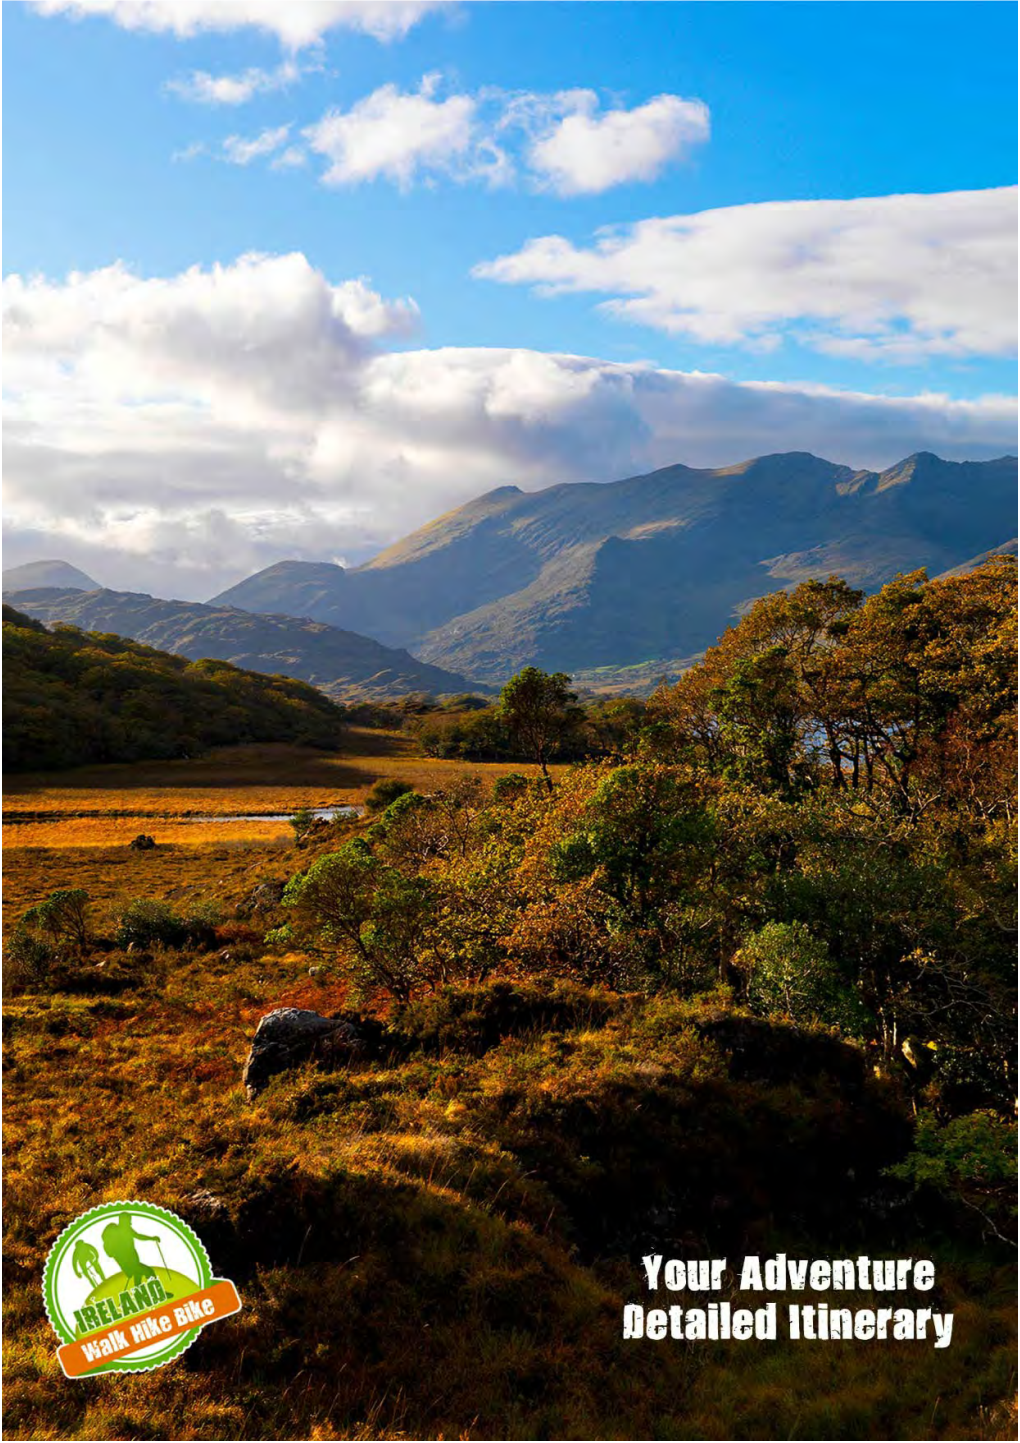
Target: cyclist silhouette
[
  {"x": 85, "y": 1263},
  {"x": 119, "y": 1244}
]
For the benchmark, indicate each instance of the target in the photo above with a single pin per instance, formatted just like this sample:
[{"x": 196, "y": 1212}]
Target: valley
[{"x": 617, "y": 583}]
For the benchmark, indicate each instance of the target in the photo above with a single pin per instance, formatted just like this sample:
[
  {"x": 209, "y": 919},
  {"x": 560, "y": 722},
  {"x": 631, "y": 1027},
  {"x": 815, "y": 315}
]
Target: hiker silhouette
[
  {"x": 85, "y": 1263},
  {"x": 119, "y": 1244}
]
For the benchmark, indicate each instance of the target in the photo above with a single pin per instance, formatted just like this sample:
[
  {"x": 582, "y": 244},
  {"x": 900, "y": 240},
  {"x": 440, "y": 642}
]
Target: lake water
[{"x": 321, "y": 814}]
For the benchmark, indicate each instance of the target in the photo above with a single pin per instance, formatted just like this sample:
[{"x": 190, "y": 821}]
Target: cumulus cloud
[
  {"x": 559, "y": 141},
  {"x": 293, "y": 158},
  {"x": 397, "y": 135},
  {"x": 173, "y": 434},
  {"x": 244, "y": 149},
  {"x": 896, "y": 277},
  {"x": 265, "y": 333},
  {"x": 585, "y": 153},
  {"x": 205, "y": 89},
  {"x": 296, "y": 23}
]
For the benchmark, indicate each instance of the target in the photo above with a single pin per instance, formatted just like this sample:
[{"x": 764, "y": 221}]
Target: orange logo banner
[{"x": 156, "y": 1326}]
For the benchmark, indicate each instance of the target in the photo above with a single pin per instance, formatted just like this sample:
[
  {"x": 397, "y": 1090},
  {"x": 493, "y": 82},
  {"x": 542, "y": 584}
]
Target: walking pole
[{"x": 163, "y": 1261}]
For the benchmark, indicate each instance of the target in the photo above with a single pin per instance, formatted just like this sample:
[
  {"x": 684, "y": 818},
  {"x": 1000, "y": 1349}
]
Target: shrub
[
  {"x": 302, "y": 820},
  {"x": 971, "y": 1160},
  {"x": 27, "y": 961},
  {"x": 475, "y": 735},
  {"x": 146, "y": 922},
  {"x": 476, "y": 1019},
  {"x": 385, "y": 791},
  {"x": 149, "y": 923},
  {"x": 412, "y": 830},
  {"x": 387, "y": 925},
  {"x": 404, "y": 806},
  {"x": 63, "y": 917},
  {"x": 790, "y": 972},
  {"x": 508, "y": 788}
]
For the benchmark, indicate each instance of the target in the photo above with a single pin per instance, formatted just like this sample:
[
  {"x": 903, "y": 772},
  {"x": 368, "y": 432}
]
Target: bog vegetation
[{"x": 740, "y": 979}]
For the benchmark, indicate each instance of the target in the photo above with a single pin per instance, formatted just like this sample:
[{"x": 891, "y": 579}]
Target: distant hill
[
  {"x": 596, "y": 577},
  {"x": 344, "y": 665},
  {"x": 1008, "y": 548},
  {"x": 74, "y": 697},
  {"x": 47, "y": 573}
]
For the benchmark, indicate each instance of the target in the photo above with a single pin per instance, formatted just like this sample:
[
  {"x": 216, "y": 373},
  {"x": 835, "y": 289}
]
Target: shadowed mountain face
[
  {"x": 586, "y": 576},
  {"x": 47, "y": 573},
  {"x": 1008, "y": 548},
  {"x": 339, "y": 662}
]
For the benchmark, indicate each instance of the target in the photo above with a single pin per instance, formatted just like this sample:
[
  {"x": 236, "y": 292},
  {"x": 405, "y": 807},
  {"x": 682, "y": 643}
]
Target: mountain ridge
[
  {"x": 591, "y": 574},
  {"x": 339, "y": 662}
]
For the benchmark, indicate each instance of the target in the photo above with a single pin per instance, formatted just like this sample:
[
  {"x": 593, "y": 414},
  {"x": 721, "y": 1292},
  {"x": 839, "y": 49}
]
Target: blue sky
[{"x": 114, "y": 153}]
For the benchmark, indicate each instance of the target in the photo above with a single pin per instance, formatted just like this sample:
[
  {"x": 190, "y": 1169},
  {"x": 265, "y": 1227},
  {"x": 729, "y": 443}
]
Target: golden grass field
[
  {"x": 105, "y": 806},
  {"x": 112, "y": 831},
  {"x": 72, "y": 829}
]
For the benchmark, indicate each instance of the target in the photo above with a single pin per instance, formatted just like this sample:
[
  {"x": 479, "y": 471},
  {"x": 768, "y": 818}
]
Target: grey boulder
[{"x": 291, "y": 1035}]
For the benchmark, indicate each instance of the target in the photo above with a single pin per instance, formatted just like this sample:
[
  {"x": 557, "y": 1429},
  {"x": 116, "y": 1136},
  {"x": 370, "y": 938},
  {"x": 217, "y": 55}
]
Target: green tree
[
  {"x": 758, "y": 713},
  {"x": 539, "y": 711},
  {"x": 301, "y": 821},
  {"x": 385, "y": 923},
  {"x": 635, "y": 860}
]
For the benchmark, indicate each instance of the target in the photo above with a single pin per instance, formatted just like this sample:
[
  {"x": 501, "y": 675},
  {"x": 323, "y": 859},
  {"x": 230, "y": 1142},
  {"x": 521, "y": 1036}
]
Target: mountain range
[
  {"x": 584, "y": 577},
  {"x": 340, "y": 663},
  {"x": 614, "y": 583}
]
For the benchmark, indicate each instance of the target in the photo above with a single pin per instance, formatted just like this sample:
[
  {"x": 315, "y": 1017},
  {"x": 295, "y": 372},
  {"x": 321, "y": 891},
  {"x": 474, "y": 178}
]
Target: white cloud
[
  {"x": 266, "y": 333},
  {"x": 190, "y": 152},
  {"x": 205, "y": 89},
  {"x": 395, "y": 135},
  {"x": 296, "y": 23},
  {"x": 244, "y": 149},
  {"x": 899, "y": 276},
  {"x": 585, "y": 152},
  {"x": 172, "y": 434},
  {"x": 293, "y": 158},
  {"x": 557, "y": 141},
  {"x": 241, "y": 151}
]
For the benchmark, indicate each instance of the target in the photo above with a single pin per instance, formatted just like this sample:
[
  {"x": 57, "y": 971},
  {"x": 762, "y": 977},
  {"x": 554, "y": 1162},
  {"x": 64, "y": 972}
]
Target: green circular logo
[{"x": 118, "y": 1276}]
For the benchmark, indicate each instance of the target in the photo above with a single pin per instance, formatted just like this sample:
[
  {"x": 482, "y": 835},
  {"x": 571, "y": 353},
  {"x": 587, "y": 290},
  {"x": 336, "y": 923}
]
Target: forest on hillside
[{"x": 72, "y": 697}]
